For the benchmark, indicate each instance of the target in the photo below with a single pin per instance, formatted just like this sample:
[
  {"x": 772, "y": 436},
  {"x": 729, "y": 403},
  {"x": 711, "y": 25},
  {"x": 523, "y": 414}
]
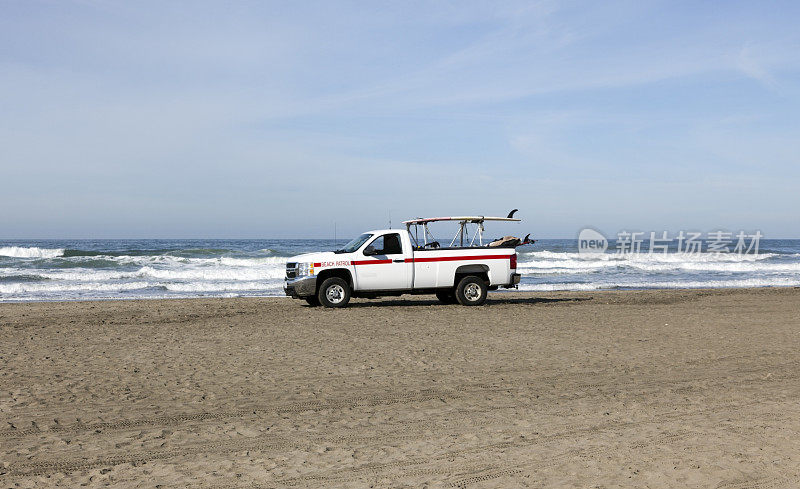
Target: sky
[{"x": 284, "y": 119}]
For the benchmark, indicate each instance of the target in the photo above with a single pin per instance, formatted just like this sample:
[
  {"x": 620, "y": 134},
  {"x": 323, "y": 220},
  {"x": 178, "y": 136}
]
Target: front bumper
[{"x": 301, "y": 287}]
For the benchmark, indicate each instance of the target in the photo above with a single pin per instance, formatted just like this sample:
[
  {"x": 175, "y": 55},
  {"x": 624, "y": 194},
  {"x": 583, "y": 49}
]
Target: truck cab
[{"x": 387, "y": 262}]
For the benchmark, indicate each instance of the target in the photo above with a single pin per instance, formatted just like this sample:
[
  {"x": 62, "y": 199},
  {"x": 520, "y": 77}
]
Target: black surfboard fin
[{"x": 511, "y": 214}]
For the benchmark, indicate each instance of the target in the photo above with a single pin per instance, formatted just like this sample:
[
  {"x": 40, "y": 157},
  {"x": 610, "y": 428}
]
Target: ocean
[{"x": 48, "y": 270}]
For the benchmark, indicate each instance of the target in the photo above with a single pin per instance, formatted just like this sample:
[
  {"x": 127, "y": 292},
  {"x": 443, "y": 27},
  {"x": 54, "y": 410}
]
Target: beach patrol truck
[{"x": 392, "y": 262}]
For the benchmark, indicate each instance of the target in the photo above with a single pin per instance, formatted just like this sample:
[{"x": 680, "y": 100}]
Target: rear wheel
[
  {"x": 446, "y": 296},
  {"x": 471, "y": 291},
  {"x": 334, "y": 292},
  {"x": 312, "y": 301}
]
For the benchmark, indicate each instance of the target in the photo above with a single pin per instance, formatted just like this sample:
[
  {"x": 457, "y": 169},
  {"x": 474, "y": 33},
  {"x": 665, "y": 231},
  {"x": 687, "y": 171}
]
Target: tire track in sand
[
  {"x": 367, "y": 400},
  {"x": 72, "y": 464}
]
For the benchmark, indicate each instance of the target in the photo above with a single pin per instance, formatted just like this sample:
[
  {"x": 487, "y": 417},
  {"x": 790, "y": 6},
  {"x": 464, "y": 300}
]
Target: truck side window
[
  {"x": 388, "y": 244},
  {"x": 391, "y": 245}
]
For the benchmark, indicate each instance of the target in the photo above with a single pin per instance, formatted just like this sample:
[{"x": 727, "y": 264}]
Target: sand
[{"x": 590, "y": 389}]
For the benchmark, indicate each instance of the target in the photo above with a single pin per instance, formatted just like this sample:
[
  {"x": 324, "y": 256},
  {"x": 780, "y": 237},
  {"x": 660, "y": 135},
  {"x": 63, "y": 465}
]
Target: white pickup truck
[{"x": 395, "y": 262}]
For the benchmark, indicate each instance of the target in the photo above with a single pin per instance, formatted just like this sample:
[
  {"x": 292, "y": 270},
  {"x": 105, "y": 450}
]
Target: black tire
[
  {"x": 334, "y": 292},
  {"x": 471, "y": 291},
  {"x": 312, "y": 300},
  {"x": 446, "y": 296}
]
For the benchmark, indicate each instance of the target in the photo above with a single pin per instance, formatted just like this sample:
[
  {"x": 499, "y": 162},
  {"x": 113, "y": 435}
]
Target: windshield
[{"x": 355, "y": 244}]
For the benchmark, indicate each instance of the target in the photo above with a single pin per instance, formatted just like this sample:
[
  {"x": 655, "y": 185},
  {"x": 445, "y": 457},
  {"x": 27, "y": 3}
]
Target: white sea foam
[
  {"x": 550, "y": 267},
  {"x": 546, "y": 262},
  {"x": 168, "y": 260},
  {"x": 18, "y": 289},
  {"x": 33, "y": 252},
  {"x": 29, "y": 288},
  {"x": 674, "y": 284},
  {"x": 214, "y": 274},
  {"x": 665, "y": 257},
  {"x": 187, "y": 272},
  {"x": 247, "y": 262},
  {"x": 219, "y": 286}
]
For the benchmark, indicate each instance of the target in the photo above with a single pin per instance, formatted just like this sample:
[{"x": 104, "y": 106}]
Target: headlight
[{"x": 304, "y": 269}]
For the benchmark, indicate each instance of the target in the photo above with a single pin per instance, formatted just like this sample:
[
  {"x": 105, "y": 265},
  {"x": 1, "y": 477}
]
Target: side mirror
[{"x": 370, "y": 250}]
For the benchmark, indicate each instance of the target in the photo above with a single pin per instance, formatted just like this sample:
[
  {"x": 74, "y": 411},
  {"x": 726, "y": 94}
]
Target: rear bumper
[
  {"x": 301, "y": 287},
  {"x": 514, "y": 281}
]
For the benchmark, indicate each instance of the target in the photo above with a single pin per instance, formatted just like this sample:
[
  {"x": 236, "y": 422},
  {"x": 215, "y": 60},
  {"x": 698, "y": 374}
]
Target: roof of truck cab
[
  {"x": 383, "y": 231},
  {"x": 425, "y": 220}
]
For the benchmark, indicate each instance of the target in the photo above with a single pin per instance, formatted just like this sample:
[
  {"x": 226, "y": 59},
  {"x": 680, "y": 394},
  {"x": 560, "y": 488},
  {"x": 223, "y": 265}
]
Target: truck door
[{"x": 382, "y": 265}]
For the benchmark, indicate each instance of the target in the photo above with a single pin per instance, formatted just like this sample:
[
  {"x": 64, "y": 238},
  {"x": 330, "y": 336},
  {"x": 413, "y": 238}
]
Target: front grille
[{"x": 291, "y": 270}]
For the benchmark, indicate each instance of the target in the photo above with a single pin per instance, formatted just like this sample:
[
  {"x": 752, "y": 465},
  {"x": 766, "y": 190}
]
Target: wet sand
[{"x": 585, "y": 389}]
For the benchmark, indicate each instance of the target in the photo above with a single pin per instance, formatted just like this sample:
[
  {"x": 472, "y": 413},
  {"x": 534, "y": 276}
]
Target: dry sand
[{"x": 596, "y": 389}]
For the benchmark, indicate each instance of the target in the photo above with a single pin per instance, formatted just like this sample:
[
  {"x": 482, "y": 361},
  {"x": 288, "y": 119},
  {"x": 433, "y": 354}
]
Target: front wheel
[
  {"x": 471, "y": 291},
  {"x": 334, "y": 292}
]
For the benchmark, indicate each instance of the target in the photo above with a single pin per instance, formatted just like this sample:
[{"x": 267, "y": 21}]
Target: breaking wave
[
  {"x": 564, "y": 270},
  {"x": 675, "y": 284},
  {"x": 21, "y": 278},
  {"x": 164, "y": 252},
  {"x": 546, "y": 262},
  {"x": 23, "y": 288},
  {"x": 33, "y": 252}
]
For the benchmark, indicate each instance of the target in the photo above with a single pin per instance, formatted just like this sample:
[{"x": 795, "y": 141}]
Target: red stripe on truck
[
  {"x": 370, "y": 262},
  {"x": 438, "y": 258},
  {"x": 460, "y": 258}
]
